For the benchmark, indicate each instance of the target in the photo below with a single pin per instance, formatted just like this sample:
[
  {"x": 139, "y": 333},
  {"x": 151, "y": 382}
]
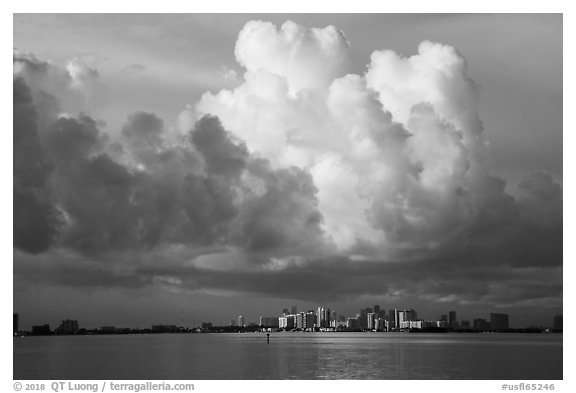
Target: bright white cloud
[{"x": 394, "y": 153}]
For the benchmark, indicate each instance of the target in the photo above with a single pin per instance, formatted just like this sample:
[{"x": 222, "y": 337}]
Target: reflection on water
[{"x": 290, "y": 356}]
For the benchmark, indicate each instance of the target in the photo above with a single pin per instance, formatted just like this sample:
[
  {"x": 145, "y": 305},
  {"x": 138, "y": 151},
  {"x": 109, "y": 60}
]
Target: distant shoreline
[{"x": 216, "y": 331}]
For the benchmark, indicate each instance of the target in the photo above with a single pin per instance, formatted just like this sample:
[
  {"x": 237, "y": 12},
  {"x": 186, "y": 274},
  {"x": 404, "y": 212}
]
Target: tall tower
[{"x": 240, "y": 321}]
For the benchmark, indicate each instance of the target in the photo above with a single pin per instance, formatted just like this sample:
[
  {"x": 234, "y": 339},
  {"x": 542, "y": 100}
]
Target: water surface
[{"x": 290, "y": 356}]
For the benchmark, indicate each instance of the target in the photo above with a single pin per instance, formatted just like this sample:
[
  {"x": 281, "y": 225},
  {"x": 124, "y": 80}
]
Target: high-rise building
[
  {"x": 370, "y": 321},
  {"x": 294, "y": 310},
  {"x": 376, "y": 309},
  {"x": 300, "y": 320},
  {"x": 240, "y": 321},
  {"x": 392, "y": 319},
  {"x": 557, "y": 322},
  {"x": 15, "y": 329},
  {"x": 381, "y": 324},
  {"x": 498, "y": 321},
  {"x": 286, "y": 322},
  {"x": 363, "y": 318},
  {"x": 310, "y": 320},
  {"x": 284, "y": 311},
  {"x": 452, "y": 321},
  {"x": 404, "y": 318},
  {"x": 322, "y": 317}
]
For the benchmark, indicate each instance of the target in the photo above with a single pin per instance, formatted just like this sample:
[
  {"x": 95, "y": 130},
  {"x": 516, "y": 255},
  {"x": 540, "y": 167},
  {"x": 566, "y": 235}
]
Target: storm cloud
[{"x": 305, "y": 181}]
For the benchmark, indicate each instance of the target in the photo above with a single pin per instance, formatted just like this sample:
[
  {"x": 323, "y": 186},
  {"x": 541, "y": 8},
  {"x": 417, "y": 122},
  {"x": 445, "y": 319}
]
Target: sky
[{"x": 188, "y": 168}]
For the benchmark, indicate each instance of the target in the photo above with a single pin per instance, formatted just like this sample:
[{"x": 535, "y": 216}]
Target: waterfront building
[
  {"x": 68, "y": 326},
  {"x": 338, "y": 325},
  {"x": 392, "y": 318},
  {"x": 294, "y": 310},
  {"x": 481, "y": 325},
  {"x": 416, "y": 325},
  {"x": 452, "y": 321},
  {"x": 300, "y": 320},
  {"x": 370, "y": 321},
  {"x": 41, "y": 330},
  {"x": 286, "y": 322},
  {"x": 499, "y": 321},
  {"x": 269, "y": 322},
  {"x": 404, "y": 318},
  {"x": 107, "y": 329},
  {"x": 381, "y": 324},
  {"x": 352, "y": 323},
  {"x": 15, "y": 329},
  {"x": 322, "y": 317},
  {"x": 207, "y": 326},
  {"x": 241, "y": 321},
  {"x": 310, "y": 320}
]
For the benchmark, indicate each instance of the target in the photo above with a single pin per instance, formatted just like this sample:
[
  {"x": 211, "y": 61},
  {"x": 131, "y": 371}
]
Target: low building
[
  {"x": 481, "y": 325},
  {"x": 107, "y": 330},
  {"x": 41, "y": 330},
  {"x": 499, "y": 322},
  {"x": 68, "y": 326},
  {"x": 352, "y": 323},
  {"x": 269, "y": 322}
]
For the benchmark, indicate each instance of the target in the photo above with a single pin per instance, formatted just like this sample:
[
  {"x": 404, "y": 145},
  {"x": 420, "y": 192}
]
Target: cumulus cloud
[
  {"x": 306, "y": 58},
  {"x": 303, "y": 181}
]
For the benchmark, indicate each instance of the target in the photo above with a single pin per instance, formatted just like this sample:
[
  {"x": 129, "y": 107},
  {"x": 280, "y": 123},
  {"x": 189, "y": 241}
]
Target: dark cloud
[
  {"x": 69, "y": 140},
  {"x": 222, "y": 155},
  {"x": 143, "y": 131},
  {"x": 286, "y": 215},
  {"x": 36, "y": 220}
]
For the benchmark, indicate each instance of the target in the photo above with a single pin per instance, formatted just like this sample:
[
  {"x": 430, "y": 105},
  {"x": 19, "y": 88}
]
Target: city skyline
[
  {"x": 452, "y": 319},
  {"x": 197, "y": 167}
]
